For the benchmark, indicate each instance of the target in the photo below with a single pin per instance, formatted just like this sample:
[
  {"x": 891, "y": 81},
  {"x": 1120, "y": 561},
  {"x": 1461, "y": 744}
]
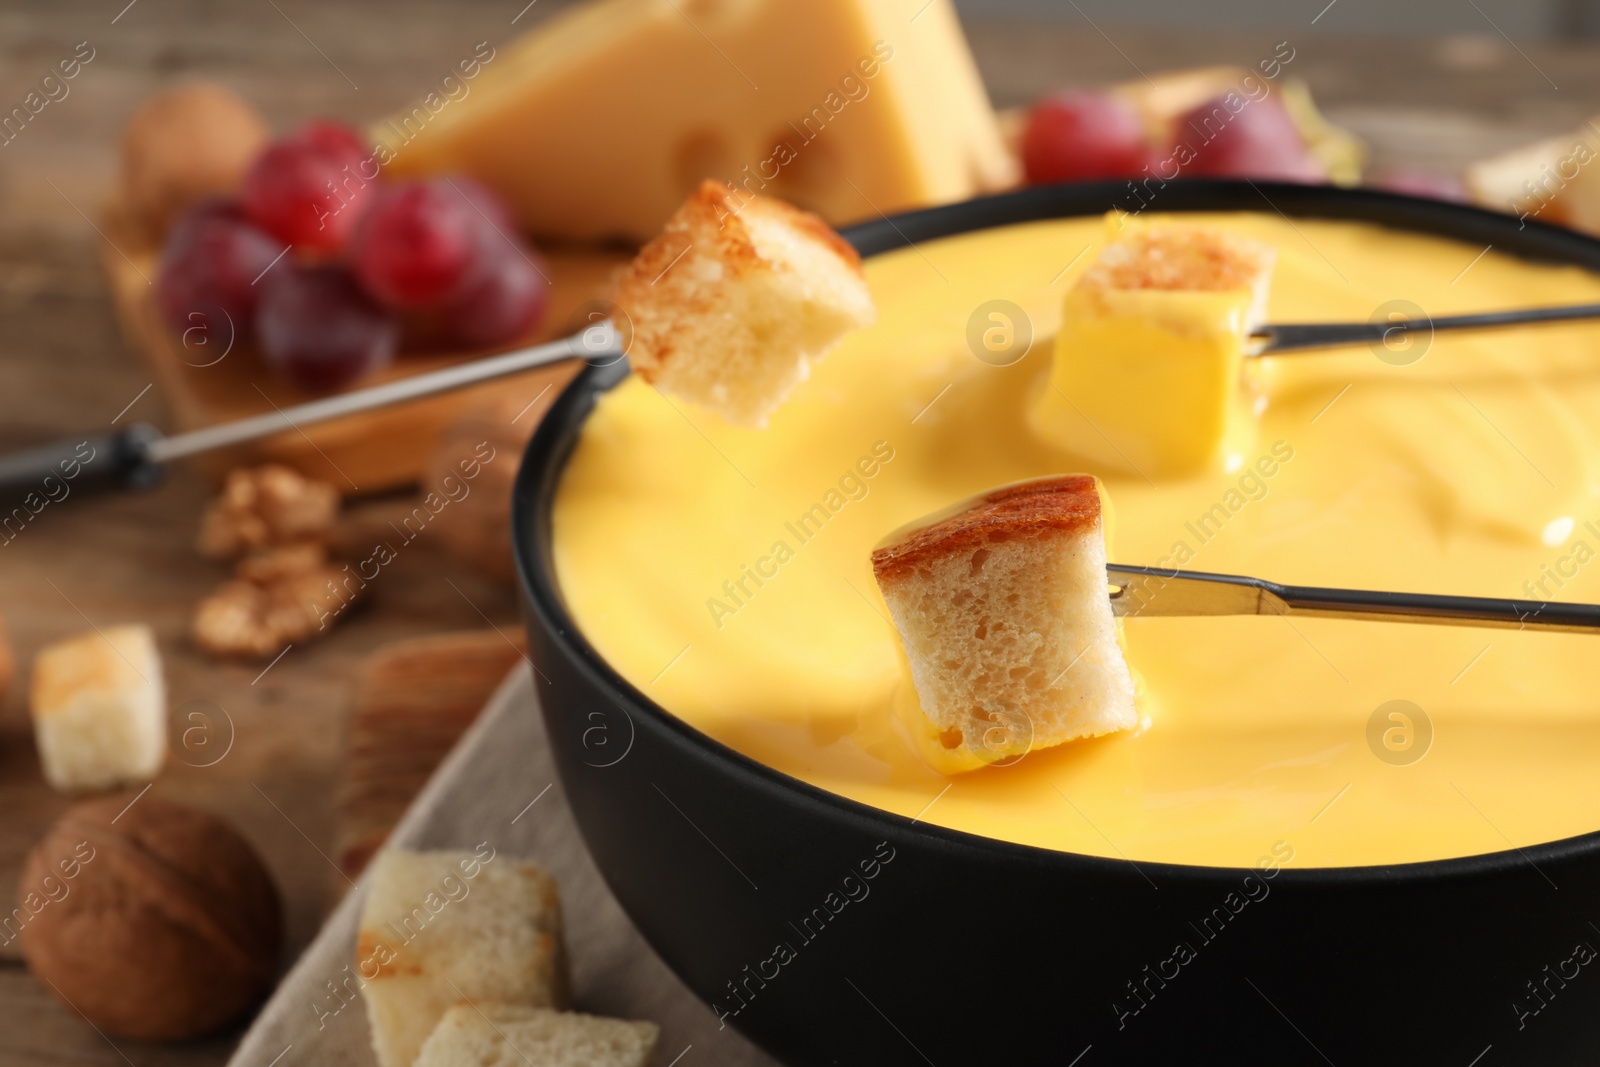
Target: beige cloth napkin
[{"x": 482, "y": 792}]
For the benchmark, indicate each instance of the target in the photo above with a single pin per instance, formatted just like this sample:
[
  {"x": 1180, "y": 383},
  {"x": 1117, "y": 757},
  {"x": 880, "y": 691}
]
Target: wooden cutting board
[
  {"x": 499, "y": 784},
  {"x": 365, "y": 453},
  {"x": 413, "y": 701}
]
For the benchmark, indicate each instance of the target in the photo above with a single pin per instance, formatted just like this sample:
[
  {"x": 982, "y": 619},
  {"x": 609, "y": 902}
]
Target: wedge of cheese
[
  {"x": 600, "y": 122},
  {"x": 1147, "y": 377}
]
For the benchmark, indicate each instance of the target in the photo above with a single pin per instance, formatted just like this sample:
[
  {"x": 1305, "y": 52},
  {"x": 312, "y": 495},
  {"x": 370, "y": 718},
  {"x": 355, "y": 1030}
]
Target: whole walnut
[
  {"x": 183, "y": 145},
  {"x": 8, "y": 661},
  {"x": 159, "y": 924}
]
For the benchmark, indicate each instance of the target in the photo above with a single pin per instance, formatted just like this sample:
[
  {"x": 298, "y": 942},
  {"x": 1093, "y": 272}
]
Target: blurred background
[
  {"x": 1530, "y": 20},
  {"x": 1431, "y": 84},
  {"x": 1427, "y": 82}
]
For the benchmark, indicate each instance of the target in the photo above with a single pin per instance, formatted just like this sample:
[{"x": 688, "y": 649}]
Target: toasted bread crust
[
  {"x": 811, "y": 226},
  {"x": 714, "y": 204},
  {"x": 1068, "y": 503},
  {"x": 1192, "y": 258},
  {"x": 710, "y": 225},
  {"x": 87, "y": 662}
]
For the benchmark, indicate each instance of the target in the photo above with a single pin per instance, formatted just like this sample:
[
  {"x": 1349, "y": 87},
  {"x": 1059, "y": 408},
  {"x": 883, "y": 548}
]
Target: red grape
[
  {"x": 416, "y": 245},
  {"x": 310, "y": 189},
  {"x": 332, "y": 139},
  {"x": 1259, "y": 141},
  {"x": 503, "y": 299},
  {"x": 207, "y": 287},
  {"x": 316, "y": 326},
  {"x": 1075, "y": 136},
  {"x": 488, "y": 204}
]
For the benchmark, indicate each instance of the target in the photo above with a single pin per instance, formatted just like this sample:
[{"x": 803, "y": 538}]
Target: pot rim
[{"x": 551, "y": 446}]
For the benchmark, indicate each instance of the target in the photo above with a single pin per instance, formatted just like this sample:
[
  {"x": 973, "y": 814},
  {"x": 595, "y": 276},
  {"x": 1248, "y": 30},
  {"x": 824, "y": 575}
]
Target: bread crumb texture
[
  {"x": 735, "y": 300},
  {"x": 100, "y": 709},
  {"x": 1177, "y": 257},
  {"x": 1004, "y": 613},
  {"x": 491, "y": 1035},
  {"x": 441, "y": 928}
]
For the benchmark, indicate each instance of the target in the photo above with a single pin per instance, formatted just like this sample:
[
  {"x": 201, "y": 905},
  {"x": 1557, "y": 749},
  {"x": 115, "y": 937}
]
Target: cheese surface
[
  {"x": 725, "y": 573},
  {"x": 600, "y": 122},
  {"x": 1148, "y": 382},
  {"x": 1149, "y": 374}
]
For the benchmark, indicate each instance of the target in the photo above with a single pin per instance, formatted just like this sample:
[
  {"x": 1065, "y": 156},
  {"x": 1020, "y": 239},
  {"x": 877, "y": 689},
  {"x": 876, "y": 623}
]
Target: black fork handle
[{"x": 44, "y": 474}]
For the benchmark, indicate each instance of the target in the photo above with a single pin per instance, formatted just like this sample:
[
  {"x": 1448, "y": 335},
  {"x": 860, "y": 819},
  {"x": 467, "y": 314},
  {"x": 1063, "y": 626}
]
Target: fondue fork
[
  {"x": 1299, "y": 336},
  {"x": 1155, "y": 591},
  {"x": 133, "y": 458}
]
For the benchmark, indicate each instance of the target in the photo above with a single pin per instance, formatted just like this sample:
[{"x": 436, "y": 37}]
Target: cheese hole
[
  {"x": 701, "y": 154},
  {"x": 809, "y": 172},
  {"x": 710, "y": 16}
]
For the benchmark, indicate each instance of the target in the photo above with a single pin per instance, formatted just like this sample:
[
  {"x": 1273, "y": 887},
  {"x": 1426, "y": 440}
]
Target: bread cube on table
[
  {"x": 497, "y": 1035},
  {"x": 1004, "y": 615},
  {"x": 99, "y": 709},
  {"x": 445, "y": 928},
  {"x": 737, "y": 298}
]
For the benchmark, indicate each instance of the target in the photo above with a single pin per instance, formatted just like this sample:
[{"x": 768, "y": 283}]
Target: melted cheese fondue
[{"x": 725, "y": 572}]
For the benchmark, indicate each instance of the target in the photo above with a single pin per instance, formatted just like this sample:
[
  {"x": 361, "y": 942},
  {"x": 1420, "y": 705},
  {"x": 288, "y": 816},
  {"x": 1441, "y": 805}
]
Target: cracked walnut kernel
[
  {"x": 246, "y": 618},
  {"x": 263, "y": 507},
  {"x": 271, "y": 565}
]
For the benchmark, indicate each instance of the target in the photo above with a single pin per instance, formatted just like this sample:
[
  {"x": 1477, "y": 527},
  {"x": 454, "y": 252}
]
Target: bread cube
[
  {"x": 495, "y": 1034},
  {"x": 440, "y": 928},
  {"x": 737, "y": 298},
  {"x": 1548, "y": 181},
  {"x": 1004, "y": 615},
  {"x": 1147, "y": 376},
  {"x": 100, "y": 709}
]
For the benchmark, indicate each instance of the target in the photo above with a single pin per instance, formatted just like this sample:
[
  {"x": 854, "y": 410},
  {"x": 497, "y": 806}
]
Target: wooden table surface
[{"x": 64, "y": 368}]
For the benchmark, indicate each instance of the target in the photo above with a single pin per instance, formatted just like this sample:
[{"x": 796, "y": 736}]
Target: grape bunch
[
  {"x": 1086, "y": 135},
  {"x": 326, "y": 266}
]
